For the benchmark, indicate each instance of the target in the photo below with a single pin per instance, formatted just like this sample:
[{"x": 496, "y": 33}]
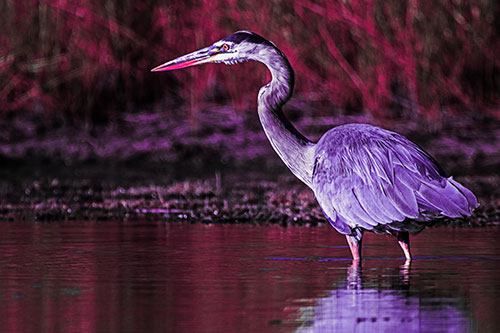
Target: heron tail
[{"x": 448, "y": 198}]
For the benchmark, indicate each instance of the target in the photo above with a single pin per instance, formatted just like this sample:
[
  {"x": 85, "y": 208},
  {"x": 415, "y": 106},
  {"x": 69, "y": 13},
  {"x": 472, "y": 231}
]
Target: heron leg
[
  {"x": 355, "y": 245},
  {"x": 403, "y": 238}
]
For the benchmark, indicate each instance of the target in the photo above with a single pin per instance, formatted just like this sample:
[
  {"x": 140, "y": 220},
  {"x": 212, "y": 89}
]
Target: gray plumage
[{"x": 364, "y": 177}]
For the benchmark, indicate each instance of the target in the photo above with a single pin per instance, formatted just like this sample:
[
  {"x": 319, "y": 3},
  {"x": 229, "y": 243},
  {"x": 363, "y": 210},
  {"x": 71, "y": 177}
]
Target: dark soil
[
  {"x": 221, "y": 170},
  {"x": 104, "y": 192},
  {"x": 222, "y": 138}
]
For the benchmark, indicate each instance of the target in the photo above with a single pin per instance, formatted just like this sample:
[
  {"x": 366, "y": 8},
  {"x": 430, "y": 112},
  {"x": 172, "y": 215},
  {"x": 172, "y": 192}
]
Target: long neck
[{"x": 293, "y": 148}]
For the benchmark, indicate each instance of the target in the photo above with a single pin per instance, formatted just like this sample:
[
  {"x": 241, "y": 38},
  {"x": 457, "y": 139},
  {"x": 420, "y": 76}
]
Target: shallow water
[{"x": 147, "y": 277}]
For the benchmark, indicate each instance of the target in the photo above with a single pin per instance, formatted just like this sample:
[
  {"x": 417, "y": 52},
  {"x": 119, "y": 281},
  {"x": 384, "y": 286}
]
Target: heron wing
[{"x": 365, "y": 176}]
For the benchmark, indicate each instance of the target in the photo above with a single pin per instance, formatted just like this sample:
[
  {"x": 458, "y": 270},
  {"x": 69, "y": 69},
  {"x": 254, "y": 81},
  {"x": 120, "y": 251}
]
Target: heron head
[{"x": 237, "y": 47}]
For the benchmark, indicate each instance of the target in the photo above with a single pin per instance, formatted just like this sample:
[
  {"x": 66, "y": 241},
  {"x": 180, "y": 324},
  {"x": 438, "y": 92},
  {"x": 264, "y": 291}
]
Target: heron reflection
[{"x": 383, "y": 303}]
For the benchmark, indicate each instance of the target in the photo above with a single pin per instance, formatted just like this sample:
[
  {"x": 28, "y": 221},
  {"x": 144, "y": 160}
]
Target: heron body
[{"x": 363, "y": 177}]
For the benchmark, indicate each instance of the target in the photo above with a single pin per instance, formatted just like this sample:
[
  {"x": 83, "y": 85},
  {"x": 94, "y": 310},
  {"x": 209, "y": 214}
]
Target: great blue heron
[{"x": 364, "y": 177}]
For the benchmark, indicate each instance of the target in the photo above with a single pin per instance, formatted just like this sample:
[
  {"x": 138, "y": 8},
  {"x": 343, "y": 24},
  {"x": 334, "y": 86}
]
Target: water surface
[{"x": 157, "y": 277}]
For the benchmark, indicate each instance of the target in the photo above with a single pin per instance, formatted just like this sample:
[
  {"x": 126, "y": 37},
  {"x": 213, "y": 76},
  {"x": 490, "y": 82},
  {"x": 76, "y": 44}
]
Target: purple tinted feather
[
  {"x": 442, "y": 198},
  {"x": 409, "y": 179},
  {"x": 470, "y": 197},
  {"x": 381, "y": 165},
  {"x": 348, "y": 206},
  {"x": 323, "y": 196},
  {"x": 341, "y": 225},
  {"x": 336, "y": 221},
  {"x": 364, "y": 213},
  {"x": 403, "y": 198},
  {"x": 387, "y": 206},
  {"x": 372, "y": 205},
  {"x": 373, "y": 176},
  {"x": 426, "y": 206}
]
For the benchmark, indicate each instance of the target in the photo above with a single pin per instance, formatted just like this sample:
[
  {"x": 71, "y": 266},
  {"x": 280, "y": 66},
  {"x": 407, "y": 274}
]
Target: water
[{"x": 157, "y": 277}]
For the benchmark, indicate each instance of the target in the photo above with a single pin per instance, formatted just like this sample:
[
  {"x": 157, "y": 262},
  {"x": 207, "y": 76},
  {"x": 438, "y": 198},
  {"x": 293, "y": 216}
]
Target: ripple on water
[{"x": 149, "y": 276}]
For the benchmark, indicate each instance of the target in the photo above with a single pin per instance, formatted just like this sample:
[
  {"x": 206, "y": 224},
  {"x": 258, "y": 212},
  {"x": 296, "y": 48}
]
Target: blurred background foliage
[{"x": 84, "y": 62}]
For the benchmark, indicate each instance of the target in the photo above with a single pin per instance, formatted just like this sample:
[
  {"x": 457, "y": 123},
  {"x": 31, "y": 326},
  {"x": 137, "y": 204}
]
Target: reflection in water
[
  {"x": 177, "y": 277},
  {"x": 356, "y": 306}
]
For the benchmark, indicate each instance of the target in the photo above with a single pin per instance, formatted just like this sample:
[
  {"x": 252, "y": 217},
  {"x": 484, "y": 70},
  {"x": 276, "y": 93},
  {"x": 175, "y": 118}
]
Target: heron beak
[{"x": 195, "y": 58}]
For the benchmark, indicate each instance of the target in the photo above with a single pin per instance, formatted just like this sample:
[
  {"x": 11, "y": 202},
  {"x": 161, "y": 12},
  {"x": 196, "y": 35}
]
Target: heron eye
[{"x": 225, "y": 47}]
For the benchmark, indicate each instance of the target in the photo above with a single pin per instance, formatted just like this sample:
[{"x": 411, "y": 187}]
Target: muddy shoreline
[
  {"x": 102, "y": 192},
  {"x": 222, "y": 170}
]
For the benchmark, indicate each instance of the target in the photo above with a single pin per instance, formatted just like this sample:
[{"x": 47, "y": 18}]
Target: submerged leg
[
  {"x": 354, "y": 276},
  {"x": 404, "y": 241},
  {"x": 354, "y": 242}
]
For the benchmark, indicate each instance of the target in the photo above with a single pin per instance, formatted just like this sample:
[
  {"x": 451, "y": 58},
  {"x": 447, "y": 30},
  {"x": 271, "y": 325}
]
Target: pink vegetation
[{"x": 386, "y": 58}]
